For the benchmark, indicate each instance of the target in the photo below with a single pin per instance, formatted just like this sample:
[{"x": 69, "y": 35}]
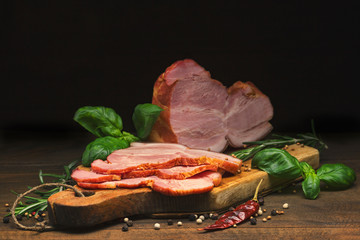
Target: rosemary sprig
[
  {"x": 36, "y": 204},
  {"x": 278, "y": 141}
]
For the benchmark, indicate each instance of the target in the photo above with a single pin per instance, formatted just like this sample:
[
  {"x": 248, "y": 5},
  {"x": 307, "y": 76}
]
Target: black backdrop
[{"x": 60, "y": 55}]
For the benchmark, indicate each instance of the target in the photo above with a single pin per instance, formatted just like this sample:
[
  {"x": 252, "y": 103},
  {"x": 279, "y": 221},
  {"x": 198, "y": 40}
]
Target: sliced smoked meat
[
  {"x": 91, "y": 177},
  {"x": 200, "y": 183},
  {"x": 199, "y": 112},
  {"x": 155, "y": 156}
]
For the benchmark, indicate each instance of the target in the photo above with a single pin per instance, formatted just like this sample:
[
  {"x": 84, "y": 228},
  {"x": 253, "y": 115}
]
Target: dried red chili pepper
[{"x": 240, "y": 214}]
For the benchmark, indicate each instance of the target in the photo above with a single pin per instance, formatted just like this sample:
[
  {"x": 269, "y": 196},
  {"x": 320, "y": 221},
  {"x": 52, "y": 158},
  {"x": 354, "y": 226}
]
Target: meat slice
[
  {"x": 200, "y": 183},
  {"x": 177, "y": 172},
  {"x": 199, "y": 112},
  {"x": 154, "y": 156},
  {"x": 91, "y": 177}
]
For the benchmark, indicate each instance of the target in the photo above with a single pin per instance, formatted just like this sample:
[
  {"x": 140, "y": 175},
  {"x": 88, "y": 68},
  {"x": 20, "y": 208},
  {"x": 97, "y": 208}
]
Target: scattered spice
[
  {"x": 286, "y": 205},
  {"x": 214, "y": 216},
  {"x": 264, "y": 210},
  {"x": 125, "y": 228},
  {"x": 199, "y": 221},
  {"x": 273, "y": 212},
  {"x": 19, "y": 217},
  {"x": 269, "y": 217},
  {"x": 202, "y": 217},
  {"x": 294, "y": 191},
  {"x": 261, "y": 201},
  {"x": 192, "y": 217},
  {"x": 253, "y": 221},
  {"x": 130, "y": 223},
  {"x": 157, "y": 226},
  {"x": 260, "y": 212},
  {"x": 179, "y": 223},
  {"x": 264, "y": 219},
  {"x": 40, "y": 219},
  {"x": 206, "y": 215},
  {"x": 170, "y": 222},
  {"x": 6, "y": 219},
  {"x": 43, "y": 215},
  {"x": 6, "y": 205},
  {"x": 126, "y": 219},
  {"x": 234, "y": 226}
]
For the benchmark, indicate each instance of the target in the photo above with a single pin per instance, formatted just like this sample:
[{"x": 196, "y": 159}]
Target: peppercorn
[
  {"x": 40, "y": 219},
  {"x": 192, "y": 217},
  {"x": 43, "y": 215},
  {"x": 19, "y": 217},
  {"x": 33, "y": 213},
  {"x": 170, "y": 222},
  {"x": 264, "y": 210},
  {"x": 273, "y": 212},
  {"x": 6, "y": 219},
  {"x": 40, "y": 212},
  {"x": 130, "y": 223},
  {"x": 6, "y": 205},
  {"x": 286, "y": 205},
  {"x": 260, "y": 212},
  {"x": 261, "y": 201},
  {"x": 125, "y": 228},
  {"x": 126, "y": 219},
  {"x": 264, "y": 219},
  {"x": 8, "y": 210},
  {"x": 269, "y": 217},
  {"x": 253, "y": 221},
  {"x": 206, "y": 215},
  {"x": 179, "y": 223},
  {"x": 157, "y": 226},
  {"x": 214, "y": 216},
  {"x": 202, "y": 217},
  {"x": 198, "y": 221}
]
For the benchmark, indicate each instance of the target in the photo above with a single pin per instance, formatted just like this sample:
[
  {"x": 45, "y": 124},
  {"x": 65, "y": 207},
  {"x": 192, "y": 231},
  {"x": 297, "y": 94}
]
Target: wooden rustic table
[{"x": 334, "y": 215}]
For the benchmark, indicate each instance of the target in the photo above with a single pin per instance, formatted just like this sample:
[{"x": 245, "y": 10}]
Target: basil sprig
[
  {"x": 107, "y": 125},
  {"x": 279, "y": 163}
]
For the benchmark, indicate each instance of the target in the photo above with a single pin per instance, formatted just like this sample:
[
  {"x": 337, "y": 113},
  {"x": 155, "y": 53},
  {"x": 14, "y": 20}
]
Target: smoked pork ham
[
  {"x": 200, "y": 183},
  {"x": 144, "y": 156},
  {"x": 199, "y": 112}
]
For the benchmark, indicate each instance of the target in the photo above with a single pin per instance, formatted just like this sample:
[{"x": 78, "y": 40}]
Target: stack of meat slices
[{"x": 171, "y": 169}]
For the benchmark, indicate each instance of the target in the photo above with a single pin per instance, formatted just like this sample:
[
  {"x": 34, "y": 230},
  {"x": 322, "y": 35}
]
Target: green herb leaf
[
  {"x": 129, "y": 137},
  {"x": 144, "y": 117},
  {"x": 101, "y": 148},
  {"x": 277, "y": 162},
  {"x": 100, "y": 121},
  {"x": 306, "y": 169},
  {"x": 311, "y": 185},
  {"x": 337, "y": 176}
]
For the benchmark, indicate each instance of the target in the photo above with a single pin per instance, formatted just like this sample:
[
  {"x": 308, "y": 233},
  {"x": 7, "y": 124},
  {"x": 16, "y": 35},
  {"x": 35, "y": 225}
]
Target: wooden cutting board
[{"x": 66, "y": 209}]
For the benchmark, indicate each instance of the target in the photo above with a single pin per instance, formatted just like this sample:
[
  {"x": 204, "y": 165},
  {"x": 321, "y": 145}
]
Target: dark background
[{"x": 57, "y": 56}]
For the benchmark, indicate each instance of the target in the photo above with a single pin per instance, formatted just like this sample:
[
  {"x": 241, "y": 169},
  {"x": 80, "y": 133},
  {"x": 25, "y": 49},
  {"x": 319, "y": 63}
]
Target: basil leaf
[
  {"x": 129, "y": 137},
  {"x": 100, "y": 148},
  {"x": 100, "y": 121},
  {"x": 337, "y": 176},
  {"x": 277, "y": 162},
  {"x": 311, "y": 185},
  {"x": 144, "y": 117}
]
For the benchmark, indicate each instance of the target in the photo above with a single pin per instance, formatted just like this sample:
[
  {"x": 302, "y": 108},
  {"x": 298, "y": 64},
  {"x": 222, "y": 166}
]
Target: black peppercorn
[
  {"x": 40, "y": 219},
  {"x": 192, "y": 217},
  {"x": 40, "y": 212},
  {"x": 125, "y": 228},
  {"x": 8, "y": 210},
  {"x": 273, "y": 212},
  {"x": 170, "y": 222},
  {"x": 6, "y": 219},
  {"x": 19, "y": 217},
  {"x": 253, "y": 221},
  {"x": 215, "y": 216},
  {"x": 206, "y": 215},
  {"x": 261, "y": 201},
  {"x": 129, "y": 223}
]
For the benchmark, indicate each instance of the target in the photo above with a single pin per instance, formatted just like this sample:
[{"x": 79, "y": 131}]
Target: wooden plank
[{"x": 66, "y": 209}]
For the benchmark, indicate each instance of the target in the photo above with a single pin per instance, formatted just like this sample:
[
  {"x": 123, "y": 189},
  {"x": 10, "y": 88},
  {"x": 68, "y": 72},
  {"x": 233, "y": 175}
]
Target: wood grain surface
[
  {"x": 72, "y": 211},
  {"x": 334, "y": 215}
]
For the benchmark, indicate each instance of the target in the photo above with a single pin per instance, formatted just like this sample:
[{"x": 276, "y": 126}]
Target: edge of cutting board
[{"x": 66, "y": 209}]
